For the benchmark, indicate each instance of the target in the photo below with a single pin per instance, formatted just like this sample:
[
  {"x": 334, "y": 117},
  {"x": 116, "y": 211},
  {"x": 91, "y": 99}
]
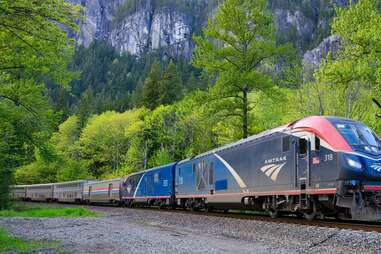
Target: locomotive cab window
[
  {"x": 286, "y": 144},
  {"x": 303, "y": 144}
]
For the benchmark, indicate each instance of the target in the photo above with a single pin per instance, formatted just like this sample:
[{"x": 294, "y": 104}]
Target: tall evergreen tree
[
  {"x": 150, "y": 92},
  {"x": 236, "y": 46},
  {"x": 170, "y": 88}
]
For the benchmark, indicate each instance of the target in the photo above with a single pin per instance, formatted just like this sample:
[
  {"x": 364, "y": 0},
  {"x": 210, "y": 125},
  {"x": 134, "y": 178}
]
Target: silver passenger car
[
  {"x": 18, "y": 192},
  {"x": 40, "y": 192},
  {"x": 102, "y": 192},
  {"x": 69, "y": 191}
]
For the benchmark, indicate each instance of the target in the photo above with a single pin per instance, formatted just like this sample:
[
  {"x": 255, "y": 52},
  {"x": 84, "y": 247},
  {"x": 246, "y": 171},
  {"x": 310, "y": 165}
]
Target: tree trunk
[{"x": 244, "y": 114}]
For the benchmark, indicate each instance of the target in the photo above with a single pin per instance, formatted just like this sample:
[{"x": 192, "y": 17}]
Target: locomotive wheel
[
  {"x": 193, "y": 207},
  {"x": 208, "y": 209},
  {"x": 309, "y": 215},
  {"x": 273, "y": 213}
]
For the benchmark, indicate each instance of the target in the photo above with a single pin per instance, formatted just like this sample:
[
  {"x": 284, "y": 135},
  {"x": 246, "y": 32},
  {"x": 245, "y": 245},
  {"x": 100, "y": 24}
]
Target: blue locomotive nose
[
  {"x": 361, "y": 167},
  {"x": 372, "y": 169}
]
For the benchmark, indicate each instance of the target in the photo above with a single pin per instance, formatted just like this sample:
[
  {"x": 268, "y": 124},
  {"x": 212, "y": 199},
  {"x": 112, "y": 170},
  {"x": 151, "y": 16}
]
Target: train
[{"x": 315, "y": 167}]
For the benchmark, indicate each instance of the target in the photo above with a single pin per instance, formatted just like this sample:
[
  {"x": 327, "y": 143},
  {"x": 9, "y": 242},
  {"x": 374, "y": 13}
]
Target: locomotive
[{"x": 314, "y": 167}]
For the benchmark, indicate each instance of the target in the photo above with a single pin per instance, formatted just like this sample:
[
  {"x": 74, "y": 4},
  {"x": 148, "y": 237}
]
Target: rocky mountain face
[{"x": 140, "y": 26}]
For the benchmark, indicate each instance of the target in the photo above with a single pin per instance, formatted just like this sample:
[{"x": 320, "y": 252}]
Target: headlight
[{"x": 354, "y": 163}]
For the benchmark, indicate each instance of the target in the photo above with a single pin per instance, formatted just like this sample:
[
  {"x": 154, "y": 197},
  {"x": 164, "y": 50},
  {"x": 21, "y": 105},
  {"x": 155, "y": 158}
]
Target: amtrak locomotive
[{"x": 314, "y": 167}]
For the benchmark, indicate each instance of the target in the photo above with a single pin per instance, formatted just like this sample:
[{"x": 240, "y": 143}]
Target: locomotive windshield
[{"x": 360, "y": 137}]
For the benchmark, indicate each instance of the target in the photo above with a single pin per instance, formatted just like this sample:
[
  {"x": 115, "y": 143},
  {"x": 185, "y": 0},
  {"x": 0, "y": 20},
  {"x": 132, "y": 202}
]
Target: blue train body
[{"x": 154, "y": 186}]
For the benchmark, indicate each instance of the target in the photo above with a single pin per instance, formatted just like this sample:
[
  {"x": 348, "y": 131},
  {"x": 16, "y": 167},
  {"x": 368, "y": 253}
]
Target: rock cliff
[{"x": 139, "y": 26}]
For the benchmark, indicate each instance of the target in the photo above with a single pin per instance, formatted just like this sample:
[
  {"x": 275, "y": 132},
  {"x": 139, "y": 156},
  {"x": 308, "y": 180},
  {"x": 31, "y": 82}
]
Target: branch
[
  {"x": 26, "y": 31},
  {"x": 27, "y": 43},
  {"x": 18, "y": 103},
  {"x": 12, "y": 67},
  {"x": 230, "y": 61},
  {"x": 226, "y": 97}
]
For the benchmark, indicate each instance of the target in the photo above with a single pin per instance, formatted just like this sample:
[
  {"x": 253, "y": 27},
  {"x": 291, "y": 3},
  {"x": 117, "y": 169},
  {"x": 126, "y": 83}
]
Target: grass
[
  {"x": 19, "y": 210},
  {"x": 9, "y": 243}
]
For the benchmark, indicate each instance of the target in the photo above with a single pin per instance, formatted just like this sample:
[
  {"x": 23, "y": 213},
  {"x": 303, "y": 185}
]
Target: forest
[{"x": 68, "y": 112}]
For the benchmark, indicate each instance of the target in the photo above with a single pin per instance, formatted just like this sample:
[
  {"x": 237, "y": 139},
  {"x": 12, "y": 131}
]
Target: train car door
[
  {"x": 109, "y": 190},
  {"x": 303, "y": 162},
  {"x": 211, "y": 177}
]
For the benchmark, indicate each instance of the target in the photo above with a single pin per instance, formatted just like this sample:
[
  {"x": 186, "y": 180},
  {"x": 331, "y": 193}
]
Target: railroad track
[{"x": 366, "y": 226}]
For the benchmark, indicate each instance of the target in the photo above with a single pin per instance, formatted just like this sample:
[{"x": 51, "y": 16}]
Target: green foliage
[
  {"x": 170, "y": 88},
  {"x": 236, "y": 46},
  {"x": 161, "y": 89},
  {"x": 109, "y": 80},
  {"x": 5, "y": 180},
  {"x": 32, "y": 39},
  {"x": 40, "y": 211},
  {"x": 11, "y": 244},
  {"x": 160, "y": 157},
  {"x": 105, "y": 140},
  {"x": 34, "y": 47},
  {"x": 60, "y": 161},
  {"x": 344, "y": 86},
  {"x": 150, "y": 94}
]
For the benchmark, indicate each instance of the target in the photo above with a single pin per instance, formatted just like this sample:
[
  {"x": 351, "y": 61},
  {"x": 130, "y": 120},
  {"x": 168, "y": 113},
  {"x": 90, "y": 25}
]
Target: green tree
[
  {"x": 150, "y": 93},
  {"x": 106, "y": 140},
  {"x": 32, "y": 38},
  {"x": 237, "y": 46},
  {"x": 345, "y": 85},
  {"x": 170, "y": 88},
  {"x": 34, "y": 47}
]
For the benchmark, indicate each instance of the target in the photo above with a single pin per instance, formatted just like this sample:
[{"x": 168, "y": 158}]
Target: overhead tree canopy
[{"x": 33, "y": 47}]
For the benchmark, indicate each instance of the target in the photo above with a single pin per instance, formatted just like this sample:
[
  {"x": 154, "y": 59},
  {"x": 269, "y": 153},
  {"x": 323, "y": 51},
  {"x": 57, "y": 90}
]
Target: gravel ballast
[{"x": 122, "y": 230}]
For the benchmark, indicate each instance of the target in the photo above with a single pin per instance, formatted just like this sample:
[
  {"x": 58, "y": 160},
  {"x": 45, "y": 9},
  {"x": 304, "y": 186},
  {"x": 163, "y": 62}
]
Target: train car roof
[
  {"x": 318, "y": 122},
  {"x": 39, "y": 185},
  {"x": 76, "y": 181},
  {"x": 239, "y": 142},
  {"x": 19, "y": 186},
  {"x": 150, "y": 169},
  {"x": 103, "y": 181}
]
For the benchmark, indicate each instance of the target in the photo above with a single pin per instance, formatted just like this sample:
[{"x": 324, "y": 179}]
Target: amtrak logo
[
  {"x": 376, "y": 167},
  {"x": 272, "y": 170}
]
